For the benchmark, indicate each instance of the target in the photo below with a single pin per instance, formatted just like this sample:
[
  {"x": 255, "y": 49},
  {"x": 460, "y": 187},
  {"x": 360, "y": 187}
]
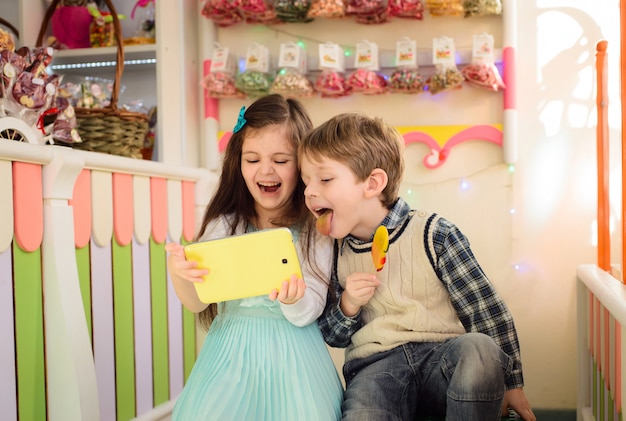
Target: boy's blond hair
[{"x": 362, "y": 143}]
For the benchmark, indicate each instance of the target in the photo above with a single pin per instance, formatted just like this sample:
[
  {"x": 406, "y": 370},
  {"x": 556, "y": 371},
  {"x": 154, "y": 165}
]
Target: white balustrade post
[{"x": 71, "y": 377}]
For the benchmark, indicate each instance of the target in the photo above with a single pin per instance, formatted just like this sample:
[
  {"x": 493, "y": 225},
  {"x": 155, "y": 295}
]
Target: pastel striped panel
[
  {"x": 141, "y": 209},
  {"x": 189, "y": 214},
  {"x": 176, "y": 344},
  {"x": 605, "y": 339},
  {"x": 143, "y": 325},
  {"x": 103, "y": 332},
  {"x": 160, "y": 357},
  {"x": 123, "y": 208},
  {"x": 124, "y": 331},
  {"x": 29, "y": 334},
  {"x": 81, "y": 204},
  {"x": 175, "y": 209},
  {"x": 6, "y": 205},
  {"x": 28, "y": 205},
  {"x": 102, "y": 207},
  {"x": 8, "y": 388},
  {"x": 158, "y": 208}
]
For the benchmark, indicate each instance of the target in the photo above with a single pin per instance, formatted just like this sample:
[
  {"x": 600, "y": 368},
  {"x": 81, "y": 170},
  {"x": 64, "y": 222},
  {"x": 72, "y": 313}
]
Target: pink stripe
[
  {"x": 210, "y": 104},
  {"x": 508, "y": 77},
  {"x": 143, "y": 326},
  {"x": 8, "y": 389},
  {"x": 591, "y": 325},
  {"x": 123, "y": 208},
  {"x": 598, "y": 328},
  {"x": 189, "y": 220},
  {"x": 81, "y": 203},
  {"x": 103, "y": 337},
  {"x": 618, "y": 366},
  {"x": 158, "y": 208},
  {"x": 28, "y": 203},
  {"x": 607, "y": 365}
]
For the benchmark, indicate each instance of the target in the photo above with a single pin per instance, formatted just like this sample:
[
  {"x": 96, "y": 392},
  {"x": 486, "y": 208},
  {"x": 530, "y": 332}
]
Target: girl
[{"x": 263, "y": 357}]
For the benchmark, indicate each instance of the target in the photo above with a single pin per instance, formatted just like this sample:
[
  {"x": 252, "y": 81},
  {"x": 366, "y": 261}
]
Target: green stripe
[
  {"x": 84, "y": 278},
  {"x": 124, "y": 331},
  {"x": 158, "y": 294},
  {"x": 189, "y": 341},
  {"x": 29, "y": 334}
]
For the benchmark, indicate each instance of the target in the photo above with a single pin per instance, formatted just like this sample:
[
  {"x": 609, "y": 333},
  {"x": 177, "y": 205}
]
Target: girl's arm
[
  {"x": 311, "y": 305},
  {"x": 183, "y": 274}
]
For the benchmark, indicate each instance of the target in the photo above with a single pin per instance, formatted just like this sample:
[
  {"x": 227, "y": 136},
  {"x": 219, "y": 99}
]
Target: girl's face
[{"x": 270, "y": 169}]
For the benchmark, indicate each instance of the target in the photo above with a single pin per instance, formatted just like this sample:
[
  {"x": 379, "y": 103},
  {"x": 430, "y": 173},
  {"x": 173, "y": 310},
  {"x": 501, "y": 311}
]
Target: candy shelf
[{"x": 86, "y": 58}]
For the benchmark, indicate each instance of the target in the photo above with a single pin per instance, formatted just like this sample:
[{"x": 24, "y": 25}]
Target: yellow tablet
[{"x": 245, "y": 265}]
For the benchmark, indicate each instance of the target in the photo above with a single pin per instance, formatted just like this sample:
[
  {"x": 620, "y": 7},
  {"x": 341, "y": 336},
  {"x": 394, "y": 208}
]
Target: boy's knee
[
  {"x": 479, "y": 343},
  {"x": 481, "y": 354}
]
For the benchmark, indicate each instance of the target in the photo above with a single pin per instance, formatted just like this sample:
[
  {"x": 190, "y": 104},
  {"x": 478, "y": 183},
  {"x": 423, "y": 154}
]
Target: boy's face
[{"x": 335, "y": 196}]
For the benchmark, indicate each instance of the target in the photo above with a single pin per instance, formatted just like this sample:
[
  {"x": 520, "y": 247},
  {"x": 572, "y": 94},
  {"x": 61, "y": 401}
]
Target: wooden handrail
[{"x": 602, "y": 138}]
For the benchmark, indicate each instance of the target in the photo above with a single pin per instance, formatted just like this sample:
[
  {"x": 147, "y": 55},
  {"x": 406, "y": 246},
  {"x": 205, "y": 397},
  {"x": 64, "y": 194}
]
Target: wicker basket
[{"x": 109, "y": 130}]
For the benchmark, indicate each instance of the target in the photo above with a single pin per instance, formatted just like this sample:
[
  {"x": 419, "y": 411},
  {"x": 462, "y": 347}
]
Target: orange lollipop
[{"x": 380, "y": 245}]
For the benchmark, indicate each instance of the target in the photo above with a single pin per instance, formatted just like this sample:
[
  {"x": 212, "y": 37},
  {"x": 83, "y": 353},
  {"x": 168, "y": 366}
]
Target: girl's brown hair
[{"x": 232, "y": 196}]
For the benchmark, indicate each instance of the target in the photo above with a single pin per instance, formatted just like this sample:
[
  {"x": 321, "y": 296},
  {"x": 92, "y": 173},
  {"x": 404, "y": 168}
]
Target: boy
[{"x": 427, "y": 334}]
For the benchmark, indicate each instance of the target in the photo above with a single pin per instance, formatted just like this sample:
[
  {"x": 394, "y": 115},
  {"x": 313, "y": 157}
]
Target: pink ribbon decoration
[{"x": 140, "y": 3}]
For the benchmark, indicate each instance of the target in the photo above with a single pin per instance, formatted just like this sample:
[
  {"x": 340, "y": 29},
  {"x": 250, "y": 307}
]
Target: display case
[{"x": 161, "y": 74}]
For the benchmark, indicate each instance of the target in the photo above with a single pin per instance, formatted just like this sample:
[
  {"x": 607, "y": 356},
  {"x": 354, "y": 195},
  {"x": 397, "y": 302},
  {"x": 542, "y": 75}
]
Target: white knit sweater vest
[{"x": 411, "y": 304}]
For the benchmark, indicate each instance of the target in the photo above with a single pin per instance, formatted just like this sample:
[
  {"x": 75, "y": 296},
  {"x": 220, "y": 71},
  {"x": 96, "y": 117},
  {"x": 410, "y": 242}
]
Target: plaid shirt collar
[{"x": 394, "y": 218}]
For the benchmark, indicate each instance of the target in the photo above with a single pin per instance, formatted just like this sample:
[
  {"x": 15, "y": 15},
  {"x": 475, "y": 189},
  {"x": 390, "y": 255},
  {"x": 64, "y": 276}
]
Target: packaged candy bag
[
  {"x": 220, "y": 82},
  {"x": 101, "y": 31},
  {"x": 296, "y": 11},
  {"x": 368, "y": 11},
  {"x": 445, "y": 7},
  {"x": 366, "y": 79},
  {"x": 406, "y": 78},
  {"x": 447, "y": 76},
  {"x": 482, "y": 71},
  {"x": 481, "y": 7},
  {"x": 331, "y": 83},
  {"x": 328, "y": 9},
  {"x": 291, "y": 79},
  {"x": 223, "y": 12},
  {"x": 407, "y": 9},
  {"x": 257, "y": 11},
  {"x": 256, "y": 79}
]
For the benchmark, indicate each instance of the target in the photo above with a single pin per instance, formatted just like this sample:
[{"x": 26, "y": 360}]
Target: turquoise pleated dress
[{"x": 256, "y": 366}]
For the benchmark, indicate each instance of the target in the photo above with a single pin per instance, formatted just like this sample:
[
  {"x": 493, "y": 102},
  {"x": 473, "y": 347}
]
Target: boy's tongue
[{"x": 323, "y": 222}]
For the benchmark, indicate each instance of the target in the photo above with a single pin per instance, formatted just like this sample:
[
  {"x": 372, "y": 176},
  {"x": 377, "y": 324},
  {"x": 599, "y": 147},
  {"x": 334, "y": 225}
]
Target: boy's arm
[
  {"x": 478, "y": 305},
  {"x": 336, "y": 327}
]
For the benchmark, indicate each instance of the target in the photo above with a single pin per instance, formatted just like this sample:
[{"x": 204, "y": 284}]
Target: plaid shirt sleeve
[
  {"x": 476, "y": 301},
  {"x": 336, "y": 327}
]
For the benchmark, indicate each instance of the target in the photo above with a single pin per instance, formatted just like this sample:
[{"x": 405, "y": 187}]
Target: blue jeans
[{"x": 462, "y": 378}]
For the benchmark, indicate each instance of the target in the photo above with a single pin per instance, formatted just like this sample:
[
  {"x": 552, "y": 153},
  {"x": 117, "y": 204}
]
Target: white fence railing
[
  {"x": 601, "y": 317},
  {"x": 90, "y": 328}
]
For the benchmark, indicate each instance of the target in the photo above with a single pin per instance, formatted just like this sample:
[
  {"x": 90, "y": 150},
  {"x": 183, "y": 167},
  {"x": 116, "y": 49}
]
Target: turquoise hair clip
[{"x": 240, "y": 120}]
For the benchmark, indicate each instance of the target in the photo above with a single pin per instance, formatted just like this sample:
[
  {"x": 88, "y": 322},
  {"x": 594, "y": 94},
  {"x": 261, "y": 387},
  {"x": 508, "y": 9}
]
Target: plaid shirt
[{"x": 478, "y": 306}]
